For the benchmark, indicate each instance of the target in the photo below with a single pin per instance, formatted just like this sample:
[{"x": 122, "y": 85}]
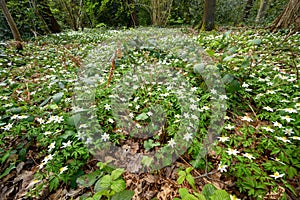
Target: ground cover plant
[{"x": 43, "y": 144}]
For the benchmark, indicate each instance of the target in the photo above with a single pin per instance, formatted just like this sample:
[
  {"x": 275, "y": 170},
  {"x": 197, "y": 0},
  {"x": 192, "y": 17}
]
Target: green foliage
[{"x": 25, "y": 18}]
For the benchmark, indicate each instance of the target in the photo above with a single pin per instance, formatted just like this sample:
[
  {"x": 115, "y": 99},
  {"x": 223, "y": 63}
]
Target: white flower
[
  {"x": 47, "y": 158},
  {"x": 283, "y": 139},
  {"x": 205, "y": 108},
  {"x": 288, "y": 131},
  {"x": 14, "y": 117},
  {"x": 131, "y": 115},
  {"x": 47, "y": 133},
  {"x": 107, "y": 107},
  {"x": 105, "y": 137},
  {"x": 188, "y": 136},
  {"x": 58, "y": 119},
  {"x": 246, "y": 118},
  {"x": 277, "y": 160},
  {"x": 277, "y": 124},
  {"x": 229, "y": 127},
  {"x": 267, "y": 108},
  {"x": 66, "y": 144},
  {"x": 287, "y": 118},
  {"x": 61, "y": 170},
  {"x": 248, "y": 155},
  {"x": 213, "y": 91},
  {"x": 177, "y": 116},
  {"x": 193, "y": 89},
  {"x": 7, "y": 127},
  {"x": 83, "y": 126},
  {"x": 223, "y": 97},
  {"x": 268, "y": 128},
  {"x": 32, "y": 183},
  {"x": 51, "y": 146},
  {"x": 271, "y": 92},
  {"x": 149, "y": 113},
  {"x": 223, "y": 139},
  {"x": 110, "y": 120},
  {"x": 171, "y": 143},
  {"x": 245, "y": 85},
  {"x": 193, "y": 107},
  {"x": 277, "y": 175},
  {"x": 295, "y": 138},
  {"x": 290, "y": 110},
  {"x": 232, "y": 151},
  {"x": 222, "y": 168}
]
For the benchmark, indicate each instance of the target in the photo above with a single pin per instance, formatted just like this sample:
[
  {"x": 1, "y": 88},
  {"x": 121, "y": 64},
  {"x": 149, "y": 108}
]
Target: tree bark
[
  {"x": 12, "y": 25},
  {"x": 289, "y": 18},
  {"x": 208, "y": 20},
  {"x": 247, "y": 9},
  {"x": 262, "y": 10},
  {"x": 48, "y": 17}
]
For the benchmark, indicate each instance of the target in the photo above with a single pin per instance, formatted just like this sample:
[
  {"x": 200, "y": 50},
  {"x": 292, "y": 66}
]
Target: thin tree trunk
[
  {"x": 208, "y": 20},
  {"x": 48, "y": 17},
  {"x": 289, "y": 18},
  {"x": 247, "y": 9},
  {"x": 12, "y": 25},
  {"x": 262, "y": 10}
]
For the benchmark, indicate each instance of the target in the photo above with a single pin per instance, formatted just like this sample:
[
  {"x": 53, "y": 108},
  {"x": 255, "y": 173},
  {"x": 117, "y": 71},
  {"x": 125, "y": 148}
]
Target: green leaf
[
  {"x": 180, "y": 179},
  {"x": 190, "y": 197},
  {"x": 45, "y": 102},
  {"x": 5, "y": 156},
  {"x": 142, "y": 116},
  {"x": 118, "y": 185},
  {"x": 57, "y": 97},
  {"x": 147, "y": 161},
  {"x": 103, "y": 184},
  {"x": 220, "y": 195},
  {"x": 7, "y": 170},
  {"x": 53, "y": 184},
  {"x": 16, "y": 110},
  {"x": 74, "y": 120},
  {"x": 292, "y": 172},
  {"x": 116, "y": 173},
  {"x": 89, "y": 179},
  {"x": 208, "y": 190},
  {"x": 190, "y": 180},
  {"x": 123, "y": 195},
  {"x": 256, "y": 41},
  {"x": 183, "y": 192}
]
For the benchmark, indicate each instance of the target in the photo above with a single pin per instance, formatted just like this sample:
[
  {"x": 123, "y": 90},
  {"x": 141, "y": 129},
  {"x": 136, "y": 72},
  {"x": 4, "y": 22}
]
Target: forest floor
[{"x": 151, "y": 113}]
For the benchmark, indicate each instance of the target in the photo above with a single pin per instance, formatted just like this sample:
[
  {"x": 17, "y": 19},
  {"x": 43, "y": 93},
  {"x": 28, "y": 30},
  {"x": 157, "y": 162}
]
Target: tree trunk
[
  {"x": 134, "y": 22},
  {"x": 208, "y": 20},
  {"x": 289, "y": 18},
  {"x": 12, "y": 25},
  {"x": 48, "y": 17},
  {"x": 247, "y": 9},
  {"x": 262, "y": 10}
]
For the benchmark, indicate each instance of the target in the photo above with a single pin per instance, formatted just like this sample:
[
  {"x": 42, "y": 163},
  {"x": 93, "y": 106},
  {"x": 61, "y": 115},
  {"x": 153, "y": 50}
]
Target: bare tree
[
  {"x": 262, "y": 10},
  {"x": 12, "y": 25},
  {"x": 208, "y": 19},
  {"x": 289, "y": 18},
  {"x": 45, "y": 11},
  {"x": 249, "y": 5}
]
